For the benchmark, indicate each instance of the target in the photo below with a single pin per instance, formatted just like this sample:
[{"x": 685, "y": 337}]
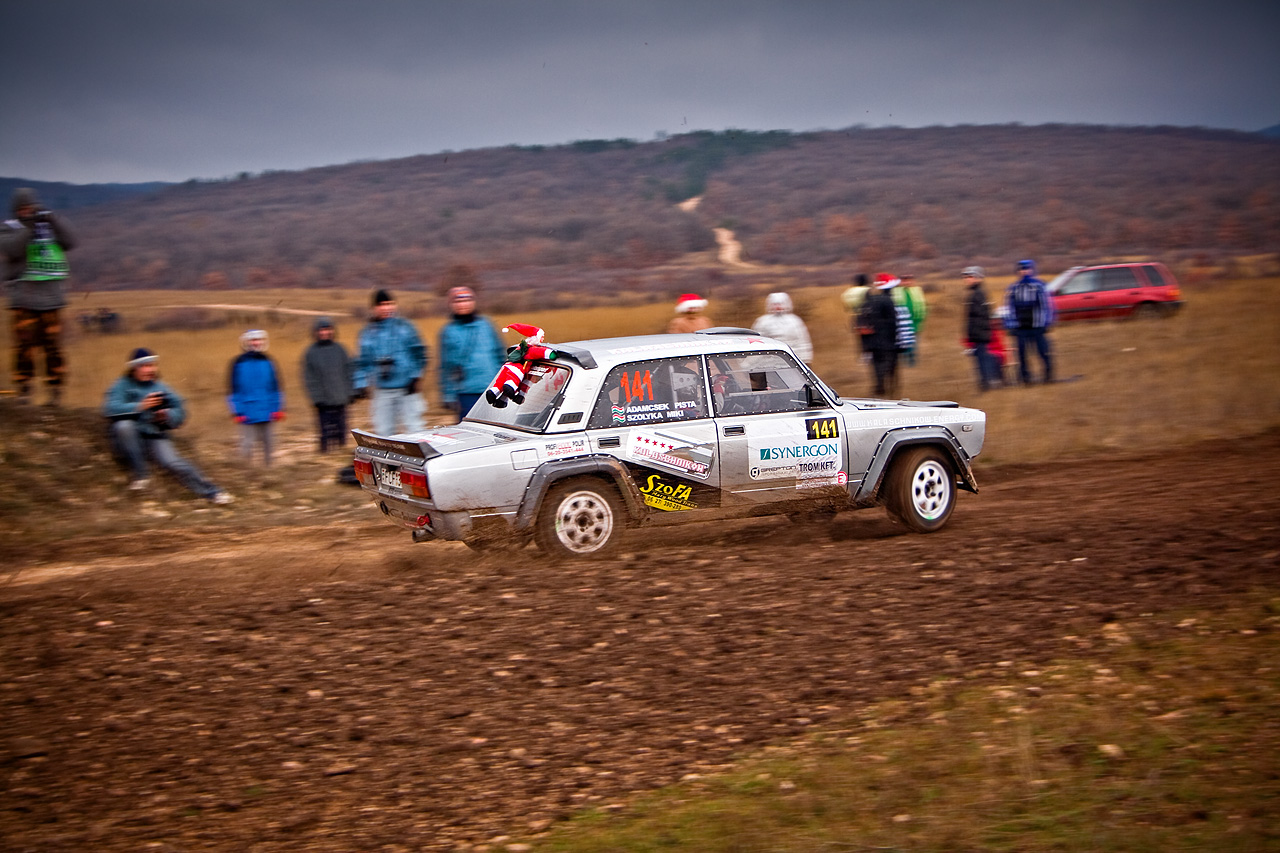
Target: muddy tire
[
  {"x": 921, "y": 489},
  {"x": 579, "y": 519}
]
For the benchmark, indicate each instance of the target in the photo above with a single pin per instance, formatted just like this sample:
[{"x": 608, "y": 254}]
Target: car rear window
[
  {"x": 543, "y": 389},
  {"x": 1153, "y": 276}
]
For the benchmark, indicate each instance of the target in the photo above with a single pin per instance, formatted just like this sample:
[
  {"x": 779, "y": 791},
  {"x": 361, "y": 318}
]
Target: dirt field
[{"x": 335, "y": 688}]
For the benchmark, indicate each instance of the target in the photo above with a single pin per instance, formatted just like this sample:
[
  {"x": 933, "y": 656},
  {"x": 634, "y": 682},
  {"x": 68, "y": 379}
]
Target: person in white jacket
[{"x": 784, "y": 326}]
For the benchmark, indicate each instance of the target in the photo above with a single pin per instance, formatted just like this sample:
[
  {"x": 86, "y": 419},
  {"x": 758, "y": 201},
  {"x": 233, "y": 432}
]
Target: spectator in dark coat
[
  {"x": 326, "y": 374},
  {"x": 254, "y": 395},
  {"x": 878, "y": 321},
  {"x": 978, "y": 331}
]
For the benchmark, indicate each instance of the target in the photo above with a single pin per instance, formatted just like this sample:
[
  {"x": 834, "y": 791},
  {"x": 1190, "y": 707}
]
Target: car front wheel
[
  {"x": 580, "y": 518},
  {"x": 921, "y": 491}
]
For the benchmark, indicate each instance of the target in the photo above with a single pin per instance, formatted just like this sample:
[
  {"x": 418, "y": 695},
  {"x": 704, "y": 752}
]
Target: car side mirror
[{"x": 813, "y": 399}]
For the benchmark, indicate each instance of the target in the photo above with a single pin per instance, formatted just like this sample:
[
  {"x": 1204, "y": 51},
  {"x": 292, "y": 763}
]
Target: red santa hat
[
  {"x": 690, "y": 302},
  {"x": 884, "y": 281},
  {"x": 525, "y": 330}
]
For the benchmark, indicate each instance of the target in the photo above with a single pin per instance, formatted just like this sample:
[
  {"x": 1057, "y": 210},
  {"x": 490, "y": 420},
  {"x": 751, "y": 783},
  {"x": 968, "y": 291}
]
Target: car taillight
[
  {"x": 415, "y": 484},
  {"x": 364, "y": 472}
]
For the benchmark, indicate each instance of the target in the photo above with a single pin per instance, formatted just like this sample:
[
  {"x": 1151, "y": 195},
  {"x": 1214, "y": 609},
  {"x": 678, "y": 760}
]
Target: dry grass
[{"x": 1213, "y": 370}]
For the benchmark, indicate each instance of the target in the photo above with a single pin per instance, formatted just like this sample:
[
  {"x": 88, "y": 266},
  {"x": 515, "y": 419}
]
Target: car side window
[
  {"x": 1083, "y": 282},
  {"x": 1118, "y": 278},
  {"x": 1153, "y": 276},
  {"x": 756, "y": 383},
  {"x": 651, "y": 392}
]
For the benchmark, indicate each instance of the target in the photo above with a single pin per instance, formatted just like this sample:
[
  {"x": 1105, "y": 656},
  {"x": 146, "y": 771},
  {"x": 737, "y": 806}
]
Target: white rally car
[{"x": 634, "y": 432}]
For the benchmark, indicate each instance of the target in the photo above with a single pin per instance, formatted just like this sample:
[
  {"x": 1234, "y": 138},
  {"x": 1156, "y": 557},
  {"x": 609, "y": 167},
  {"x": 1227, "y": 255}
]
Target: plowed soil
[{"x": 336, "y": 688}]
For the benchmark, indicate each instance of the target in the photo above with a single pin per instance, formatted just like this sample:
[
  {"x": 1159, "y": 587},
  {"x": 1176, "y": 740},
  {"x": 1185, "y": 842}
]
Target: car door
[
  {"x": 1120, "y": 292},
  {"x": 774, "y": 445},
  {"x": 1078, "y": 297},
  {"x": 654, "y": 416}
]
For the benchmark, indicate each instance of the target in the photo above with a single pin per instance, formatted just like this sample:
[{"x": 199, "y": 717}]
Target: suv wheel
[
  {"x": 580, "y": 518},
  {"x": 921, "y": 490}
]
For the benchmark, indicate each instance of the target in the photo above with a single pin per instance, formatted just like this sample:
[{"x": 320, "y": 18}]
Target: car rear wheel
[
  {"x": 1147, "y": 311},
  {"x": 580, "y": 518},
  {"x": 921, "y": 490}
]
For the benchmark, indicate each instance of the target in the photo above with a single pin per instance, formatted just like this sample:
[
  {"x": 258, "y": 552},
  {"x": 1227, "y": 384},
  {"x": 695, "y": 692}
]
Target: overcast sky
[{"x": 138, "y": 90}]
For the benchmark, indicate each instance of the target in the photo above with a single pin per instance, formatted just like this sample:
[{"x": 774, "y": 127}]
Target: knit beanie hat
[
  {"x": 139, "y": 357},
  {"x": 976, "y": 272},
  {"x": 690, "y": 302},
  {"x": 382, "y": 296}
]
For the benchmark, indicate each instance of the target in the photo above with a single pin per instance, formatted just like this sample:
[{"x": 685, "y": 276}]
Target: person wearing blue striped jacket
[{"x": 1029, "y": 314}]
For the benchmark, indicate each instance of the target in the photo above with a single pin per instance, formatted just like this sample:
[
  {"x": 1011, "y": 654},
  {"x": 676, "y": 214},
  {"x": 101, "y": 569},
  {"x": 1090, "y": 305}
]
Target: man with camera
[
  {"x": 389, "y": 363},
  {"x": 35, "y": 243},
  {"x": 142, "y": 411}
]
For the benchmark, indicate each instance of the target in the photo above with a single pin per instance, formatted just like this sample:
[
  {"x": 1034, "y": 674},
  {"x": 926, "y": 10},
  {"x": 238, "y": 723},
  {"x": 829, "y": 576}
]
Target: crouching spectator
[
  {"x": 142, "y": 411},
  {"x": 254, "y": 395},
  {"x": 326, "y": 373}
]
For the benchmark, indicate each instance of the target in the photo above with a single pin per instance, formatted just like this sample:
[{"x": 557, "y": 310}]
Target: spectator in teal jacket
[
  {"x": 142, "y": 411},
  {"x": 470, "y": 351},
  {"x": 389, "y": 362}
]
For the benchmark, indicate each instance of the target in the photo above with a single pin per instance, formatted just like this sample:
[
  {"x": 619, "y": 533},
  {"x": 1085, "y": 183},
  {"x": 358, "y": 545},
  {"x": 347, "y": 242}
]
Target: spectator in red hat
[{"x": 689, "y": 316}]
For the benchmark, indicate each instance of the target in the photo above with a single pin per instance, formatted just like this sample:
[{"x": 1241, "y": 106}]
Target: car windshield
[{"x": 543, "y": 389}]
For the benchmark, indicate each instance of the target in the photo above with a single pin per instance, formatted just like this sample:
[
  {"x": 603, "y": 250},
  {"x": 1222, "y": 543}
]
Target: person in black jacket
[
  {"x": 326, "y": 373},
  {"x": 978, "y": 330},
  {"x": 878, "y": 321}
]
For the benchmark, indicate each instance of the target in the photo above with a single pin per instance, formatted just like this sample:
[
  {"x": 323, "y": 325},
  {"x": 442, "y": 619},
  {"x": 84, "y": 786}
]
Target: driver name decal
[{"x": 671, "y": 451}]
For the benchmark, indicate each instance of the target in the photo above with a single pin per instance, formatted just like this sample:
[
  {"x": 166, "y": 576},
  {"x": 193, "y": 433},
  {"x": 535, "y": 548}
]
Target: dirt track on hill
[{"x": 331, "y": 689}]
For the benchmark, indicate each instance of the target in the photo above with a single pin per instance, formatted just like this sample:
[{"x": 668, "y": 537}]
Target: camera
[{"x": 385, "y": 366}]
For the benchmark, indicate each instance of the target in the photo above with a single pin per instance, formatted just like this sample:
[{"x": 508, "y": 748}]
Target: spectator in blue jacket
[
  {"x": 390, "y": 359},
  {"x": 1029, "y": 314},
  {"x": 142, "y": 412},
  {"x": 254, "y": 394},
  {"x": 471, "y": 353}
]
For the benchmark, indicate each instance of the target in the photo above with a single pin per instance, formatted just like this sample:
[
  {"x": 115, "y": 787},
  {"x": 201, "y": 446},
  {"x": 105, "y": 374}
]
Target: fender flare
[
  {"x": 868, "y": 491},
  {"x": 550, "y": 473}
]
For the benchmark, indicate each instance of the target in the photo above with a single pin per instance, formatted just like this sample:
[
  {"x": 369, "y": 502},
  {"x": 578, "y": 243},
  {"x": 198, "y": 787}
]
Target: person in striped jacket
[{"x": 1029, "y": 314}]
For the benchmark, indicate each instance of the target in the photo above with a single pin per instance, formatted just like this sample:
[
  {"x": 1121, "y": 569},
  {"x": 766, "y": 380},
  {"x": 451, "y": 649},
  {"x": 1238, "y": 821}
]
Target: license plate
[{"x": 390, "y": 478}]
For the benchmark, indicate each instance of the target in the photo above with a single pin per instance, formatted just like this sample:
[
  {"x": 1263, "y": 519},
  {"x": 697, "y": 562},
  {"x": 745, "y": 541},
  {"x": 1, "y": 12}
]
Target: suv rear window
[{"x": 1153, "y": 276}]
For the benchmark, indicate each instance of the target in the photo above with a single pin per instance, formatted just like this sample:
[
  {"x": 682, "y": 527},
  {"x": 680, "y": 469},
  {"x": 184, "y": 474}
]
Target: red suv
[{"x": 1115, "y": 290}]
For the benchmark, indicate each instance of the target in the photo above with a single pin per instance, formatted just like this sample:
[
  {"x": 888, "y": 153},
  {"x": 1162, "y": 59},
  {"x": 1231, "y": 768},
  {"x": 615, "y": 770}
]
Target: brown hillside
[{"x": 602, "y": 215}]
